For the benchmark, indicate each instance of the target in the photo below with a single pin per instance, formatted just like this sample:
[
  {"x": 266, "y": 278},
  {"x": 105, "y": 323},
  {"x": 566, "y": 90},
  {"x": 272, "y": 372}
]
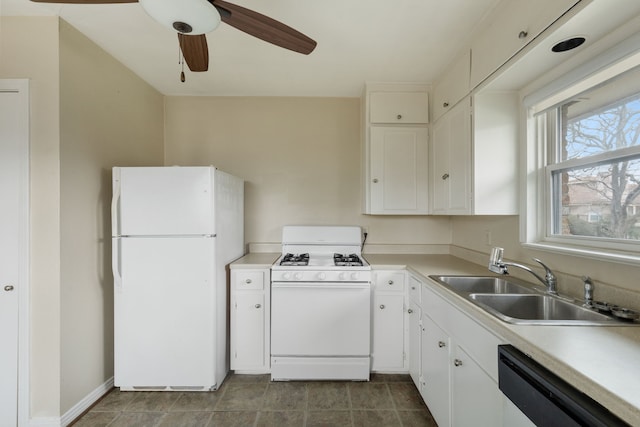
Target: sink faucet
[{"x": 498, "y": 265}]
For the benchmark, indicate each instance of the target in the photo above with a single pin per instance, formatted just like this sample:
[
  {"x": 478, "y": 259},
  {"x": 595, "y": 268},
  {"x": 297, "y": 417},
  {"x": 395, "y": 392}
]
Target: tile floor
[{"x": 253, "y": 400}]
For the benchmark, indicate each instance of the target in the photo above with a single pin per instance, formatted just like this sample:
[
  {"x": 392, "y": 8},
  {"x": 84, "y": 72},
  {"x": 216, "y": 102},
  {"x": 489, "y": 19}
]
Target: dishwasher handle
[{"x": 545, "y": 398}]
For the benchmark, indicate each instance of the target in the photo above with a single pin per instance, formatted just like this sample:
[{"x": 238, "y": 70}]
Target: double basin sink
[{"x": 517, "y": 302}]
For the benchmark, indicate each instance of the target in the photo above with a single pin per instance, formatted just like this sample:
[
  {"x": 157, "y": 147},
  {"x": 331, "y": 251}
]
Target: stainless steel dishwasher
[{"x": 545, "y": 398}]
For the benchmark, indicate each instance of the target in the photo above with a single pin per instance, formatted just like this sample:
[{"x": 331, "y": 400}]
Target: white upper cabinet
[
  {"x": 474, "y": 157},
  {"x": 453, "y": 86},
  {"x": 395, "y": 149},
  {"x": 399, "y": 107},
  {"x": 511, "y": 26}
]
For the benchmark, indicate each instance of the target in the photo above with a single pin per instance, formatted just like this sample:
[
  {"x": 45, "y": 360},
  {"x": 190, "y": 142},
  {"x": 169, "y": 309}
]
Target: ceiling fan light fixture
[{"x": 191, "y": 17}]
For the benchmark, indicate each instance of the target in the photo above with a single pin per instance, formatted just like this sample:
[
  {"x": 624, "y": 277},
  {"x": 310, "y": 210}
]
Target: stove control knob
[
  {"x": 354, "y": 276},
  {"x": 286, "y": 276},
  {"x": 342, "y": 276},
  {"x": 322, "y": 276},
  {"x": 298, "y": 276}
]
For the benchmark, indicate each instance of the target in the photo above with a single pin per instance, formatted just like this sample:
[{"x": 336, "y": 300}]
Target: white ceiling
[{"x": 358, "y": 41}]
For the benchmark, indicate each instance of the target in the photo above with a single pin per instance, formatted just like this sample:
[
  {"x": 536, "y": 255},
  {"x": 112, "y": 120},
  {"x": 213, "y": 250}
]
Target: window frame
[{"x": 541, "y": 127}]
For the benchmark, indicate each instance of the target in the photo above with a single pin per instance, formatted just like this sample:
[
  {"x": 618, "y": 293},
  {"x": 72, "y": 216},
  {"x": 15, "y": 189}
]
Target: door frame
[{"x": 21, "y": 86}]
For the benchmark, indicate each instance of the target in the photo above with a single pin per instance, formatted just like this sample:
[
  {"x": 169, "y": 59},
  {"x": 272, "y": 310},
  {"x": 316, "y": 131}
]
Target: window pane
[
  {"x": 602, "y": 119},
  {"x": 599, "y": 201}
]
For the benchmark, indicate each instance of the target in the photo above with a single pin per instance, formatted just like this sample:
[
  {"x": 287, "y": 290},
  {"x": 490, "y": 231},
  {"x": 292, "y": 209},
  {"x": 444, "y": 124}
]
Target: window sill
[{"x": 618, "y": 257}]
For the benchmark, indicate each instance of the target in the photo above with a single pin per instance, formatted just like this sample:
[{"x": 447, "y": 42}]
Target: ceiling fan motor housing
[{"x": 192, "y": 17}]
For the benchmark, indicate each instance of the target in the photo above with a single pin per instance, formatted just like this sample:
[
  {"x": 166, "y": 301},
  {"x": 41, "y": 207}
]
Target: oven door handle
[{"x": 322, "y": 285}]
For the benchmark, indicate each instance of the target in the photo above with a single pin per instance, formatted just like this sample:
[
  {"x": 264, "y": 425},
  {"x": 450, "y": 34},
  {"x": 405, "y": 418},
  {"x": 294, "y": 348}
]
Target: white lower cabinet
[
  {"x": 250, "y": 321},
  {"x": 388, "y": 322},
  {"x": 415, "y": 330},
  {"x": 459, "y": 366},
  {"x": 435, "y": 384}
]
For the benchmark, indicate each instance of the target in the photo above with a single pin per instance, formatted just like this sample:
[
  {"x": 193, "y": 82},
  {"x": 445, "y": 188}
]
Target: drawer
[
  {"x": 389, "y": 281},
  {"x": 249, "y": 280}
]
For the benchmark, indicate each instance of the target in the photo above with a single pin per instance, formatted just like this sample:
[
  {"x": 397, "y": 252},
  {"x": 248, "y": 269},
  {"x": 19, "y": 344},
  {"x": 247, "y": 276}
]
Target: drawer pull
[
  {"x": 390, "y": 282},
  {"x": 399, "y": 116},
  {"x": 248, "y": 281},
  {"x": 258, "y": 305},
  {"x": 410, "y": 311},
  {"x": 441, "y": 344},
  {"x": 381, "y": 306},
  {"x": 523, "y": 34},
  {"x": 445, "y": 104},
  {"x": 457, "y": 362},
  {"x": 413, "y": 288}
]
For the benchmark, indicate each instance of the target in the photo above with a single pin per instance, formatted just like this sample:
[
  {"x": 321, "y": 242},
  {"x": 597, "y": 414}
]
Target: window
[{"x": 587, "y": 142}]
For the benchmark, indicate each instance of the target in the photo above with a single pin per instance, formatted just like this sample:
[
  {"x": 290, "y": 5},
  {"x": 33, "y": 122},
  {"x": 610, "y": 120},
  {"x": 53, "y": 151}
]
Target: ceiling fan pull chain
[{"x": 181, "y": 62}]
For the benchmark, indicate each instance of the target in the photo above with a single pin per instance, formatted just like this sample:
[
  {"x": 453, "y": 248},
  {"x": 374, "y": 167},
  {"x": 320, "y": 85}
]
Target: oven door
[{"x": 320, "y": 319}]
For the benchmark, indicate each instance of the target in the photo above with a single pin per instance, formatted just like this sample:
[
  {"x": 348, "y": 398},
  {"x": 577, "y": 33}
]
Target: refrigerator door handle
[
  {"x": 116, "y": 243},
  {"x": 115, "y": 206}
]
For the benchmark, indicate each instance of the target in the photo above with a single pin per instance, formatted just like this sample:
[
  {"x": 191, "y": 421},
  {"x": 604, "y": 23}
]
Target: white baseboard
[{"x": 77, "y": 409}]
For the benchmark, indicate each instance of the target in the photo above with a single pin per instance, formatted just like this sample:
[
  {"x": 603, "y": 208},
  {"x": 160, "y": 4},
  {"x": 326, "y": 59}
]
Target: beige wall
[
  {"x": 300, "y": 158},
  {"x": 108, "y": 117},
  {"x": 88, "y": 113},
  {"x": 29, "y": 49}
]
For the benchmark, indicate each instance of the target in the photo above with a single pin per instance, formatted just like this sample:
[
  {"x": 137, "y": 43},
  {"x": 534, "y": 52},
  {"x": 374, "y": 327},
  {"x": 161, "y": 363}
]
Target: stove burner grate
[
  {"x": 292, "y": 260},
  {"x": 351, "y": 260}
]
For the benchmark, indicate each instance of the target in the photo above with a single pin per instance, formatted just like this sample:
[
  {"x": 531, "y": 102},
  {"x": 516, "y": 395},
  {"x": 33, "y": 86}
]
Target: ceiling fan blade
[
  {"x": 195, "y": 51},
  {"x": 263, "y": 27},
  {"x": 85, "y": 1}
]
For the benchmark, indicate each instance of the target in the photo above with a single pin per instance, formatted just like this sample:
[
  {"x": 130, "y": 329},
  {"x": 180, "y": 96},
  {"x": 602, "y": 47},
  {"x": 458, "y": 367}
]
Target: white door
[
  {"x": 14, "y": 226},
  {"x": 163, "y": 201},
  {"x": 164, "y": 312}
]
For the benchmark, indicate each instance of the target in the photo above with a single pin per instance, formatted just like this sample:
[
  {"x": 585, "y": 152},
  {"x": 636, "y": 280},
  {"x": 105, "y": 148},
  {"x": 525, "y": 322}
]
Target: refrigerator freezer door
[
  {"x": 164, "y": 312},
  {"x": 163, "y": 201}
]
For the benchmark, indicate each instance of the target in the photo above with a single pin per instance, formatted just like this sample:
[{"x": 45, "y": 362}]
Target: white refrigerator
[{"x": 174, "y": 230}]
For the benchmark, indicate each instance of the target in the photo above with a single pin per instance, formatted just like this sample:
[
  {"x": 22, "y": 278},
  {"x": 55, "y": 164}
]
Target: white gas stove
[{"x": 320, "y": 305}]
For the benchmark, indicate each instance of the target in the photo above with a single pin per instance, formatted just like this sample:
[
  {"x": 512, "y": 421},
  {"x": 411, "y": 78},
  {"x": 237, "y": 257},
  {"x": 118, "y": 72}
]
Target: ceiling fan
[{"x": 192, "y": 19}]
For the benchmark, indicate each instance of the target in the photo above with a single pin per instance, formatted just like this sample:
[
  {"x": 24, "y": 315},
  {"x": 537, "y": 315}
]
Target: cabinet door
[
  {"x": 514, "y": 24},
  {"x": 451, "y": 162},
  {"x": 398, "y": 170},
  {"x": 248, "y": 331},
  {"x": 476, "y": 398},
  {"x": 399, "y": 107},
  {"x": 388, "y": 332},
  {"x": 452, "y": 86},
  {"x": 436, "y": 387},
  {"x": 415, "y": 337}
]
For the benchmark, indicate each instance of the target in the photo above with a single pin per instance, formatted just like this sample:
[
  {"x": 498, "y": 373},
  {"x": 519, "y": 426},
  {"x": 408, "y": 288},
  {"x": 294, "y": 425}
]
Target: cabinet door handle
[
  {"x": 442, "y": 344},
  {"x": 381, "y": 306},
  {"x": 399, "y": 116},
  {"x": 248, "y": 281},
  {"x": 523, "y": 34},
  {"x": 8, "y": 288},
  {"x": 445, "y": 176},
  {"x": 457, "y": 362},
  {"x": 390, "y": 282},
  {"x": 409, "y": 311},
  {"x": 258, "y": 305},
  {"x": 445, "y": 104},
  {"x": 413, "y": 288},
  {"x": 375, "y": 180}
]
